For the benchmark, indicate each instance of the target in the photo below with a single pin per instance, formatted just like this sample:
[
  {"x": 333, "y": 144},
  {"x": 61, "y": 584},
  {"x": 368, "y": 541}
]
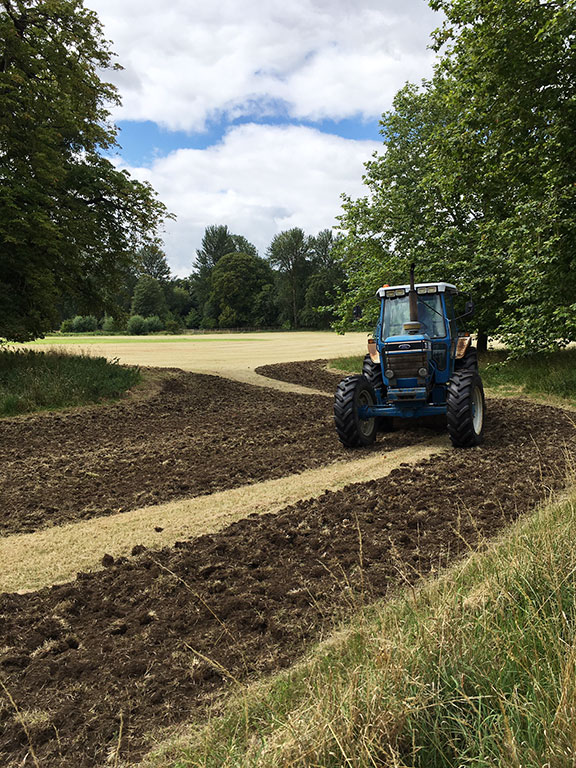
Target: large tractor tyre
[
  {"x": 373, "y": 372},
  {"x": 469, "y": 362},
  {"x": 351, "y": 394},
  {"x": 466, "y": 409}
]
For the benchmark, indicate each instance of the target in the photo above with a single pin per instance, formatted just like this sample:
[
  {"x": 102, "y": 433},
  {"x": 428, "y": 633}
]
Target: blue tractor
[{"x": 418, "y": 365}]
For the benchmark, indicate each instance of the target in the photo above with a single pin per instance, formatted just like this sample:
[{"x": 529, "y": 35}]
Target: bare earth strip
[{"x": 34, "y": 560}]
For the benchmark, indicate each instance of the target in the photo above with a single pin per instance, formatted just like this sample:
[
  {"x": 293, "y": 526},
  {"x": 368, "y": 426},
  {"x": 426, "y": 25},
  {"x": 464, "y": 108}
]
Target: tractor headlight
[
  {"x": 422, "y": 372},
  {"x": 389, "y": 373}
]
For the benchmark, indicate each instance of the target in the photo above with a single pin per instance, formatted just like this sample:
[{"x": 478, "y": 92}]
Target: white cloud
[
  {"x": 259, "y": 181},
  {"x": 189, "y": 61}
]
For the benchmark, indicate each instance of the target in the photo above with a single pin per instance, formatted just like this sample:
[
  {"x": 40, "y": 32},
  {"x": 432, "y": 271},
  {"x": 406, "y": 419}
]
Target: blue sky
[{"x": 257, "y": 114}]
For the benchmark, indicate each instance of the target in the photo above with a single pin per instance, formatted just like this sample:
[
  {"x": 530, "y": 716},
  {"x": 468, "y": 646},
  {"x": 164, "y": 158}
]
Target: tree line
[
  {"x": 476, "y": 184},
  {"x": 230, "y": 286}
]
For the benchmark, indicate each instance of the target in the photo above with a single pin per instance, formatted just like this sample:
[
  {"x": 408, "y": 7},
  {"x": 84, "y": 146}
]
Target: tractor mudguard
[
  {"x": 373, "y": 351},
  {"x": 462, "y": 346}
]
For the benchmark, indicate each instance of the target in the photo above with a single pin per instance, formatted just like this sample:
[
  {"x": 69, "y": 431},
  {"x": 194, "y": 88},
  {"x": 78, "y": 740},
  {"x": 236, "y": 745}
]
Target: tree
[
  {"x": 148, "y": 298},
  {"x": 238, "y": 283},
  {"x": 152, "y": 261},
  {"x": 217, "y": 242},
  {"x": 290, "y": 253},
  {"x": 476, "y": 184},
  {"x": 323, "y": 284},
  {"x": 69, "y": 219}
]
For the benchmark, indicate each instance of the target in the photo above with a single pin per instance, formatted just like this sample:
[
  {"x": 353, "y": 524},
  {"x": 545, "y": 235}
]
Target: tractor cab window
[{"x": 430, "y": 315}]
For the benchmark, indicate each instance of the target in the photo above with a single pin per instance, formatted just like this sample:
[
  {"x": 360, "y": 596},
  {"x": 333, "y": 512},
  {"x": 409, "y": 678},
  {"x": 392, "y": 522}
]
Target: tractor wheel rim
[
  {"x": 477, "y": 410},
  {"x": 365, "y": 425}
]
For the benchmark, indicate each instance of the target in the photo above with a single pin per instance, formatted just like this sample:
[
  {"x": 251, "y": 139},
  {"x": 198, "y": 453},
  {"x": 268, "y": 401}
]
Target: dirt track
[
  {"x": 197, "y": 435},
  {"x": 131, "y": 642}
]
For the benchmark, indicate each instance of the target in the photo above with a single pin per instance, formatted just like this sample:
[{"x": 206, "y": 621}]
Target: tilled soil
[
  {"x": 155, "y": 639},
  {"x": 197, "y": 435},
  {"x": 307, "y": 373}
]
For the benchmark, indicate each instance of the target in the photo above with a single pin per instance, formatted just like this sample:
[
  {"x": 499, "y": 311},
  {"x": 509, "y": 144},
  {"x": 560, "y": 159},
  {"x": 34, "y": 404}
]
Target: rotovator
[{"x": 418, "y": 364}]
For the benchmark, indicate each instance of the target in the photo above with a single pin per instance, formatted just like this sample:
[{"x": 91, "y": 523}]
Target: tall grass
[
  {"x": 548, "y": 373},
  {"x": 31, "y": 381},
  {"x": 476, "y": 668}
]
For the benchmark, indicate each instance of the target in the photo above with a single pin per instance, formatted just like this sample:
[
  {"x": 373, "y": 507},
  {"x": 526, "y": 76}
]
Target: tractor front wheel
[
  {"x": 352, "y": 393},
  {"x": 466, "y": 408},
  {"x": 373, "y": 372}
]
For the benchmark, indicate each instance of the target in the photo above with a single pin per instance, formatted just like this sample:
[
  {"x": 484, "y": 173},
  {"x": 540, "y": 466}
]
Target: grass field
[{"x": 32, "y": 380}]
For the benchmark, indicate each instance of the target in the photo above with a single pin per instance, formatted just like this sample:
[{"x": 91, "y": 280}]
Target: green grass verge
[
  {"x": 550, "y": 374},
  {"x": 476, "y": 668},
  {"x": 32, "y": 381}
]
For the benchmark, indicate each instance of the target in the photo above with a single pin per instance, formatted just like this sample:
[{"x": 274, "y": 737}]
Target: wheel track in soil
[{"x": 121, "y": 639}]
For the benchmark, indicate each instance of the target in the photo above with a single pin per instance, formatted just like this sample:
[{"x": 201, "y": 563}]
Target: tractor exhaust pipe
[
  {"x": 412, "y": 297},
  {"x": 413, "y": 326}
]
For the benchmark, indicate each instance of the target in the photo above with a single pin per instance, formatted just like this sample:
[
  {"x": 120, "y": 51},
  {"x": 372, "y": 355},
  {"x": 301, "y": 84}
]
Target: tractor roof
[{"x": 389, "y": 290}]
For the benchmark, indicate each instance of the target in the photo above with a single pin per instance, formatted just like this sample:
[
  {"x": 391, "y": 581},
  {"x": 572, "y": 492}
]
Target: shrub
[
  {"x": 112, "y": 325},
  {"x": 173, "y": 325},
  {"x": 153, "y": 324},
  {"x": 84, "y": 324},
  {"x": 67, "y": 326},
  {"x": 136, "y": 326}
]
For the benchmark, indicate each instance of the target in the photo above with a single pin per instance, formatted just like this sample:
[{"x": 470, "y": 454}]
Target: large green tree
[
  {"x": 477, "y": 184},
  {"x": 218, "y": 241},
  {"x": 241, "y": 284},
  {"x": 290, "y": 253},
  {"x": 70, "y": 221}
]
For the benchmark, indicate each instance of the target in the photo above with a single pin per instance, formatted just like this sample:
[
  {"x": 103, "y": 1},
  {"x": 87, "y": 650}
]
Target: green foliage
[
  {"x": 148, "y": 298},
  {"x": 69, "y": 220},
  {"x": 79, "y": 324},
  {"x": 476, "y": 184},
  {"x": 153, "y": 324},
  {"x": 151, "y": 261},
  {"x": 113, "y": 325},
  {"x": 193, "y": 318},
  {"x": 290, "y": 253},
  {"x": 217, "y": 242},
  {"x": 174, "y": 324},
  {"x": 238, "y": 279},
  {"x": 31, "y": 380},
  {"x": 136, "y": 326}
]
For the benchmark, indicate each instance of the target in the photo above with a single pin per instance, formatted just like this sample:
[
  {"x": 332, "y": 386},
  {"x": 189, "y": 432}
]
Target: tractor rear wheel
[
  {"x": 466, "y": 408},
  {"x": 352, "y": 393},
  {"x": 373, "y": 372}
]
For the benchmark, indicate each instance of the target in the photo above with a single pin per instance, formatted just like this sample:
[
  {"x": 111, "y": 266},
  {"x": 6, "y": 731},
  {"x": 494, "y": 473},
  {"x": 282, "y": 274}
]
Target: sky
[{"x": 257, "y": 114}]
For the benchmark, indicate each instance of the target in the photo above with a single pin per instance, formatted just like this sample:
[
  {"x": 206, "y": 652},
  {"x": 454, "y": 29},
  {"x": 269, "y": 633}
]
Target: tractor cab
[
  {"x": 418, "y": 365},
  {"x": 416, "y": 353}
]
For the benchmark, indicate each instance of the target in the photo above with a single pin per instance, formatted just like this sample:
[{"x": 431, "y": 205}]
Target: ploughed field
[
  {"x": 156, "y": 639},
  {"x": 197, "y": 435}
]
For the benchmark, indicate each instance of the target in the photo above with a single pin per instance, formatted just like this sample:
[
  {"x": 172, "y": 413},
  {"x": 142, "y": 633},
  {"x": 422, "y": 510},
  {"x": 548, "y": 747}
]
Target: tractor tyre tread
[
  {"x": 460, "y": 420},
  {"x": 373, "y": 372},
  {"x": 345, "y": 418}
]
